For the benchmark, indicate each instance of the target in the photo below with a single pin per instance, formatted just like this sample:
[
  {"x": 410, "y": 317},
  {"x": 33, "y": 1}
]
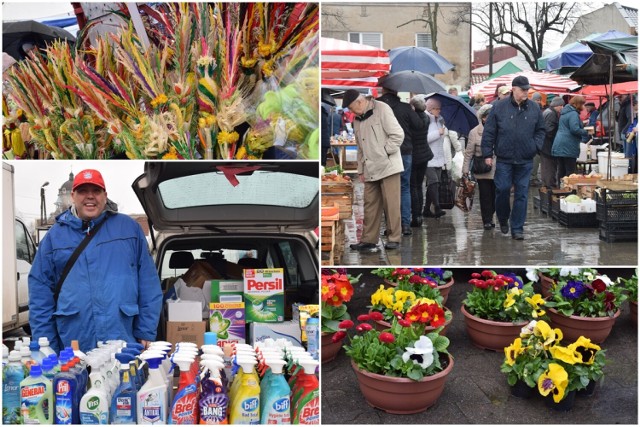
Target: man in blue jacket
[
  {"x": 514, "y": 132},
  {"x": 113, "y": 289}
]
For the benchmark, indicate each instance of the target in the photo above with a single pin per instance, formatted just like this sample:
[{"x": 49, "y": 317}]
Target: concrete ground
[
  {"x": 476, "y": 391},
  {"x": 458, "y": 238}
]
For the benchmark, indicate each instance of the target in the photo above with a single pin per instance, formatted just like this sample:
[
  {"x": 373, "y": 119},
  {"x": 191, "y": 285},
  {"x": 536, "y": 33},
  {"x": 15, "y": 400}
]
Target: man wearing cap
[
  {"x": 379, "y": 137},
  {"x": 548, "y": 163},
  {"x": 112, "y": 290},
  {"x": 514, "y": 133}
]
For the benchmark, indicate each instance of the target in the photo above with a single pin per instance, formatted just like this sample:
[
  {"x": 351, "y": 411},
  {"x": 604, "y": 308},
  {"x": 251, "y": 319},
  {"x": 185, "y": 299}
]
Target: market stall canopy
[
  {"x": 597, "y": 70},
  {"x": 414, "y": 58},
  {"x": 541, "y": 82},
  {"x": 573, "y": 55},
  {"x": 605, "y": 90},
  {"x": 20, "y": 36},
  {"x": 350, "y": 65}
]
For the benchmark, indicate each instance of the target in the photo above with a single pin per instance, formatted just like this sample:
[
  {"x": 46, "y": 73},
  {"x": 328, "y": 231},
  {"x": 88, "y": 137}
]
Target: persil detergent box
[
  {"x": 226, "y": 319},
  {"x": 264, "y": 295}
]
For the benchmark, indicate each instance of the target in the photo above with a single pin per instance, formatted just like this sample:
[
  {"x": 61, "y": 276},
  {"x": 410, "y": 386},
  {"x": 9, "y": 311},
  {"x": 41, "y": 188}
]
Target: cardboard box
[
  {"x": 186, "y": 332},
  {"x": 184, "y": 311},
  {"x": 290, "y": 330},
  {"x": 226, "y": 288},
  {"x": 264, "y": 295},
  {"x": 227, "y": 320}
]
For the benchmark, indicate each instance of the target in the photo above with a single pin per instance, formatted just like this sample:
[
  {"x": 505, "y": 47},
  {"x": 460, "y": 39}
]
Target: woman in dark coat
[
  {"x": 420, "y": 157},
  {"x": 566, "y": 144}
]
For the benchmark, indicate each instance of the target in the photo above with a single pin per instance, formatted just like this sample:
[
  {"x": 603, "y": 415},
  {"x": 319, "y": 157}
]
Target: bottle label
[
  {"x": 64, "y": 399},
  {"x": 310, "y": 411},
  {"x": 184, "y": 406},
  {"x": 280, "y": 412},
  {"x": 30, "y": 397},
  {"x": 152, "y": 407},
  {"x": 123, "y": 407},
  {"x": 213, "y": 409},
  {"x": 11, "y": 377},
  {"x": 91, "y": 414},
  {"x": 250, "y": 411}
]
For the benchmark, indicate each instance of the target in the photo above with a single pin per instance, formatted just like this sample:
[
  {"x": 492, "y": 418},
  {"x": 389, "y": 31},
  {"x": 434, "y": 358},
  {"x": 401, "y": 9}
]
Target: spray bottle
[
  {"x": 94, "y": 405},
  {"x": 276, "y": 401},
  {"x": 305, "y": 400},
  {"x": 184, "y": 408},
  {"x": 214, "y": 401},
  {"x": 36, "y": 397},
  {"x": 245, "y": 404},
  {"x": 123, "y": 402},
  {"x": 152, "y": 397}
]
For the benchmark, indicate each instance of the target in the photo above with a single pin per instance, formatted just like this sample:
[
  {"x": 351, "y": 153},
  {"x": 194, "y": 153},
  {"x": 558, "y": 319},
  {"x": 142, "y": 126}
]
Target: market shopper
[
  {"x": 420, "y": 157},
  {"x": 410, "y": 123},
  {"x": 631, "y": 140},
  {"x": 566, "y": 144},
  {"x": 378, "y": 137},
  {"x": 112, "y": 291},
  {"x": 514, "y": 133},
  {"x": 548, "y": 163},
  {"x": 486, "y": 186},
  {"x": 436, "y": 139}
]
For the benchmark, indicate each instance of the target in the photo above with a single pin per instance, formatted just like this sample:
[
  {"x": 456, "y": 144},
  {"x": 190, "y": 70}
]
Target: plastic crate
[
  {"x": 536, "y": 202},
  {"x": 578, "y": 219},
  {"x": 555, "y": 207},
  {"x": 612, "y": 235},
  {"x": 544, "y": 200},
  {"x": 622, "y": 213},
  {"x": 607, "y": 197}
]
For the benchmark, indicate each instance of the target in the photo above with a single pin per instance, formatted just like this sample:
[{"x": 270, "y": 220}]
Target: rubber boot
[{"x": 432, "y": 191}]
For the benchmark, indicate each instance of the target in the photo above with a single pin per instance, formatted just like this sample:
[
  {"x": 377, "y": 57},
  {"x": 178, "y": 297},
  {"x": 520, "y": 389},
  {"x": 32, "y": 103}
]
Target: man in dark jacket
[
  {"x": 410, "y": 123},
  {"x": 514, "y": 132},
  {"x": 624, "y": 116},
  {"x": 548, "y": 164}
]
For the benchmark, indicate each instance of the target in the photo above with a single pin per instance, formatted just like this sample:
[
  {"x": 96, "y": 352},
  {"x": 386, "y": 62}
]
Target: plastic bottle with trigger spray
[
  {"x": 184, "y": 408},
  {"x": 275, "y": 406},
  {"x": 152, "y": 397},
  {"x": 245, "y": 404},
  {"x": 124, "y": 400},
  {"x": 213, "y": 402},
  {"x": 94, "y": 405},
  {"x": 306, "y": 397}
]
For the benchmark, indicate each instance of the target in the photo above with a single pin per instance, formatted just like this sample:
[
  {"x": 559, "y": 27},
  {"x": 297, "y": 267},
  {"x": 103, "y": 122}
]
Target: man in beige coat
[{"x": 379, "y": 136}]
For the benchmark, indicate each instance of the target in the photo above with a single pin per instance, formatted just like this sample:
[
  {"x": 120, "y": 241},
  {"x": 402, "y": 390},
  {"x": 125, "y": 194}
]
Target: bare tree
[
  {"x": 521, "y": 25},
  {"x": 430, "y": 13},
  {"x": 333, "y": 18}
]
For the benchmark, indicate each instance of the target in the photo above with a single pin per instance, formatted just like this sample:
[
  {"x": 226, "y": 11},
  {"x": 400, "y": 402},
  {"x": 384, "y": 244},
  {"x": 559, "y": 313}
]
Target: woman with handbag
[
  {"x": 435, "y": 139},
  {"x": 483, "y": 173},
  {"x": 420, "y": 157}
]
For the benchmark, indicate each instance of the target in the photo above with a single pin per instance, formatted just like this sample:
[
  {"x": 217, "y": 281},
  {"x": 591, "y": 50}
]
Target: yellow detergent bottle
[
  {"x": 235, "y": 383},
  {"x": 36, "y": 398},
  {"x": 245, "y": 405}
]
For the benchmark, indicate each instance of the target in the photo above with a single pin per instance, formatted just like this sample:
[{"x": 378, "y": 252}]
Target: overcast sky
[{"x": 30, "y": 175}]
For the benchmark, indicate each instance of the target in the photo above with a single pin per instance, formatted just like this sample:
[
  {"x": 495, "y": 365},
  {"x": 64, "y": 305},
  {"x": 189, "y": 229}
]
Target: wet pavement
[
  {"x": 458, "y": 238},
  {"x": 476, "y": 392}
]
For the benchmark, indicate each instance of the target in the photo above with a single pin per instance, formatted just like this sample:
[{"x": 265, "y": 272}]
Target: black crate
[
  {"x": 544, "y": 200},
  {"x": 621, "y": 213},
  {"x": 555, "y": 206},
  {"x": 578, "y": 219},
  {"x": 610, "y": 235},
  {"x": 607, "y": 197},
  {"x": 536, "y": 202}
]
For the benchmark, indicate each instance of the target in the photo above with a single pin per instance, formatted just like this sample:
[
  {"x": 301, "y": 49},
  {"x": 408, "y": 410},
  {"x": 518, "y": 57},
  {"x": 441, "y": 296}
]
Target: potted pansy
[
  {"x": 497, "y": 307},
  {"x": 631, "y": 287},
  {"x": 391, "y": 302},
  {"x": 402, "y": 369},
  {"x": 336, "y": 291},
  {"x": 536, "y": 360},
  {"x": 586, "y": 304},
  {"x": 549, "y": 277},
  {"x": 443, "y": 278}
]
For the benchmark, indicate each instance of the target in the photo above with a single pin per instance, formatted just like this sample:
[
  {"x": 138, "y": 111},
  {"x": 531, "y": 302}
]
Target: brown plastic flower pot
[
  {"x": 381, "y": 325},
  {"x": 401, "y": 395},
  {"x": 329, "y": 349},
  {"x": 491, "y": 335},
  {"x": 597, "y": 329}
]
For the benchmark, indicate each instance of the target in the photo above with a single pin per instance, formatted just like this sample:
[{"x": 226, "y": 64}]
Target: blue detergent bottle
[
  {"x": 136, "y": 377},
  {"x": 12, "y": 374},
  {"x": 276, "y": 403},
  {"x": 65, "y": 385},
  {"x": 123, "y": 402}
]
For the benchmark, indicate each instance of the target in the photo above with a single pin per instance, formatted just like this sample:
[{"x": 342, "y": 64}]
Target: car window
[
  {"x": 261, "y": 188},
  {"x": 292, "y": 264},
  {"x": 24, "y": 247}
]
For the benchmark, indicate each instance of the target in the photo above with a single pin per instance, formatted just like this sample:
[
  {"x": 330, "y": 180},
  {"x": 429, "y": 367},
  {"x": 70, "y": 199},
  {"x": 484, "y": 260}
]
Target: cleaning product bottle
[
  {"x": 123, "y": 402},
  {"x": 306, "y": 399},
  {"x": 237, "y": 379},
  {"x": 76, "y": 350},
  {"x": 54, "y": 360},
  {"x": 213, "y": 401},
  {"x": 313, "y": 337},
  {"x": 5, "y": 355},
  {"x": 136, "y": 379},
  {"x": 184, "y": 408},
  {"x": 94, "y": 405},
  {"x": 152, "y": 397},
  {"x": 276, "y": 403},
  {"x": 47, "y": 369},
  {"x": 168, "y": 378},
  {"x": 245, "y": 405},
  {"x": 65, "y": 386},
  {"x": 12, "y": 375},
  {"x": 25, "y": 357},
  {"x": 45, "y": 347},
  {"x": 36, "y": 397}
]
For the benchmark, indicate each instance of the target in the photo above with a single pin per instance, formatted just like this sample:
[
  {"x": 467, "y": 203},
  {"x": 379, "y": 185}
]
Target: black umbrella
[
  {"x": 18, "y": 37},
  {"x": 411, "y": 81},
  {"x": 457, "y": 114}
]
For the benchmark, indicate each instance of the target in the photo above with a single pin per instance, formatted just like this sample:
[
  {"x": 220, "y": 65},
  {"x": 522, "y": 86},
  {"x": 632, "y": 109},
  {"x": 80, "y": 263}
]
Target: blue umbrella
[
  {"x": 423, "y": 59},
  {"x": 457, "y": 114}
]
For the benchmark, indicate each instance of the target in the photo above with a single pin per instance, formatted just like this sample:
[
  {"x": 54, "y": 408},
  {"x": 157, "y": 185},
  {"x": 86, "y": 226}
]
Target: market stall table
[{"x": 342, "y": 158}]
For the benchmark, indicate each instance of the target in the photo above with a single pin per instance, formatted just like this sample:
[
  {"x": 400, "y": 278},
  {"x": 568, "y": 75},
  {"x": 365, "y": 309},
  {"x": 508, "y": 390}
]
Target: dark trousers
[
  {"x": 566, "y": 166},
  {"x": 548, "y": 170},
  {"x": 512, "y": 175},
  {"x": 418, "y": 172},
  {"x": 487, "y": 189}
]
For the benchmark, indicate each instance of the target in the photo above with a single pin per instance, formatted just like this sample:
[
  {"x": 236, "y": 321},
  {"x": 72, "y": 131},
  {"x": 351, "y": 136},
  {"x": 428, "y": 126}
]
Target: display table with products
[{"x": 344, "y": 145}]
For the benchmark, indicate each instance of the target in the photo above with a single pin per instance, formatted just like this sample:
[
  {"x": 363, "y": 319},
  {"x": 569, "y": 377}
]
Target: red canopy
[
  {"x": 542, "y": 82},
  {"x": 605, "y": 90},
  {"x": 346, "y": 64}
]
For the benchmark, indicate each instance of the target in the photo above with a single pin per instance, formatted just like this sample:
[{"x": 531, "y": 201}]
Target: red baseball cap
[{"x": 88, "y": 176}]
